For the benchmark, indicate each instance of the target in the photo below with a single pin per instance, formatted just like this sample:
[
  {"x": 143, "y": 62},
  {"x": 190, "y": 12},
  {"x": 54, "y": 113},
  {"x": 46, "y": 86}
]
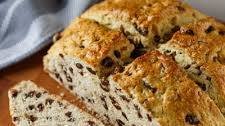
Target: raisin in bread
[
  {"x": 200, "y": 49},
  {"x": 154, "y": 83},
  {"x": 144, "y": 21},
  {"x": 34, "y": 106}
]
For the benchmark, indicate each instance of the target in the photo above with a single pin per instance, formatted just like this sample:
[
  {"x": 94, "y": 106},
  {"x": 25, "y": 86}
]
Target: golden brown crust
[
  {"x": 206, "y": 43},
  {"x": 142, "y": 20},
  {"x": 165, "y": 90},
  {"x": 91, "y": 43}
]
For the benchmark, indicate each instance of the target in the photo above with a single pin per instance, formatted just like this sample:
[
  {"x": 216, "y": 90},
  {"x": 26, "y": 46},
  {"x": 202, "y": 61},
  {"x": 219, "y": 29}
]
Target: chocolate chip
[
  {"x": 148, "y": 86},
  {"x": 70, "y": 87},
  {"x": 68, "y": 114},
  {"x": 119, "y": 122},
  {"x": 31, "y": 107},
  {"x": 124, "y": 98},
  {"x": 15, "y": 119},
  {"x": 32, "y": 118},
  {"x": 209, "y": 29},
  {"x": 69, "y": 79},
  {"x": 30, "y": 94},
  {"x": 187, "y": 66},
  {"x": 79, "y": 66},
  {"x": 71, "y": 69},
  {"x": 190, "y": 32},
  {"x": 40, "y": 107},
  {"x": 107, "y": 62},
  {"x": 157, "y": 39},
  {"x": 90, "y": 123},
  {"x": 117, "y": 54},
  {"x": 138, "y": 111},
  {"x": 149, "y": 117},
  {"x": 192, "y": 119},
  {"x": 81, "y": 73},
  {"x": 57, "y": 75},
  {"x": 91, "y": 71},
  {"x": 49, "y": 101},
  {"x": 14, "y": 93},
  {"x": 61, "y": 55},
  {"x": 71, "y": 120},
  {"x": 180, "y": 8},
  {"x": 137, "y": 52},
  {"x": 222, "y": 32},
  {"x": 38, "y": 95},
  {"x": 202, "y": 86},
  {"x": 81, "y": 46},
  {"x": 124, "y": 115},
  {"x": 105, "y": 85},
  {"x": 105, "y": 104},
  {"x": 115, "y": 103}
]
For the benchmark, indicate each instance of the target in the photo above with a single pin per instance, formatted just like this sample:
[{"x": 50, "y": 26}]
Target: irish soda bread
[
  {"x": 34, "y": 106},
  {"x": 149, "y": 22},
  {"x": 200, "y": 49}
]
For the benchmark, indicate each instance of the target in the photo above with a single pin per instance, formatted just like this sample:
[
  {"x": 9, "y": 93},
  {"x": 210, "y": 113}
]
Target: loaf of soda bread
[{"x": 31, "y": 105}]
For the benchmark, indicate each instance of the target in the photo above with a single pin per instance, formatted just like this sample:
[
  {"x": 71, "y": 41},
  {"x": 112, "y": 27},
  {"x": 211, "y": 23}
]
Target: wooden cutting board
[{"x": 29, "y": 69}]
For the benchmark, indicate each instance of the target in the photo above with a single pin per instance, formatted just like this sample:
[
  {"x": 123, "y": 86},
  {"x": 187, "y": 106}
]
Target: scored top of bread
[
  {"x": 165, "y": 90},
  {"x": 147, "y": 21},
  {"x": 34, "y": 106},
  {"x": 200, "y": 49}
]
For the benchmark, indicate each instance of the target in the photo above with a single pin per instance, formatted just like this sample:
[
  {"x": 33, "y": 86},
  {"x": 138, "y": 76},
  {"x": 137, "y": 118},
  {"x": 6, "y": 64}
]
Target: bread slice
[
  {"x": 34, "y": 106},
  {"x": 83, "y": 58},
  {"x": 149, "y": 22},
  {"x": 200, "y": 49},
  {"x": 164, "y": 90}
]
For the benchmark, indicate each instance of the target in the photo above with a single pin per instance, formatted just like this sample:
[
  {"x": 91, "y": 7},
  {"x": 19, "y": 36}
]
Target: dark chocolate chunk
[
  {"x": 69, "y": 79},
  {"x": 202, "y": 86},
  {"x": 124, "y": 115},
  {"x": 180, "y": 8},
  {"x": 70, "y": 87},
  {"x": 117, "y": 54},
  {"x": 61, "y": 55},
  {"x": 157, "y": 39},
  {"x": 68, "y": 114},
  {"x": 91, "y": 123},
  {"x": 49, "y": 101},
  {"x": 15, "y": 119},
  {"x": 192, "y": 119},
  {"x": 107, "y": 62},
  {"x": 81, "y": 73},
  {"x": 31, "y": 107},
  {"x": 38, "y": 95},
  {"x": 81, "y": 46},
  {"x": 138, "y": 111},
  {"x": 79, "y": 66},
  {"x": 71, "y": 69},
  {"x": 57, "y": 75},
  {"x": 14, "y": 93},
  {"x": 124, "y": 98},
  {"x": 71, "y": 120},
  {"x": 91, "y": 71},
  {"x": 105, "y": 104},
  {"x": 209, "y": 29},
  {"x": 32, "y": 118},
  {"x": 115, "y": 103},
  {"x": 187, "y": 66},
  {"x": 222, "y": 32},
  {"x": 40, "y": 107},
  {"x": 105, "y": 85},
  {"x": 30, "y": 94},
  {"x": 190, "y": 32},
  {"x": 148, "y": 86},
  {"x": 119, "y": 122},
  {"x": 149, "y": 117}
]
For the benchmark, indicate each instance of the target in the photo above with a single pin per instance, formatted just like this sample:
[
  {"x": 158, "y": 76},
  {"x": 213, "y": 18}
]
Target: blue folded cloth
[{"x": 26, "y": 26}]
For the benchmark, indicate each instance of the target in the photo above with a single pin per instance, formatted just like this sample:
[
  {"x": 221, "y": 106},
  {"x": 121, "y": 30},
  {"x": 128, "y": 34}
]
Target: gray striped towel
[{"x": 26, "y": 26}]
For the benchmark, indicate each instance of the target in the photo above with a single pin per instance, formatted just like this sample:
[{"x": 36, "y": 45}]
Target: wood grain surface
[{"x": 29, "y": 69}]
